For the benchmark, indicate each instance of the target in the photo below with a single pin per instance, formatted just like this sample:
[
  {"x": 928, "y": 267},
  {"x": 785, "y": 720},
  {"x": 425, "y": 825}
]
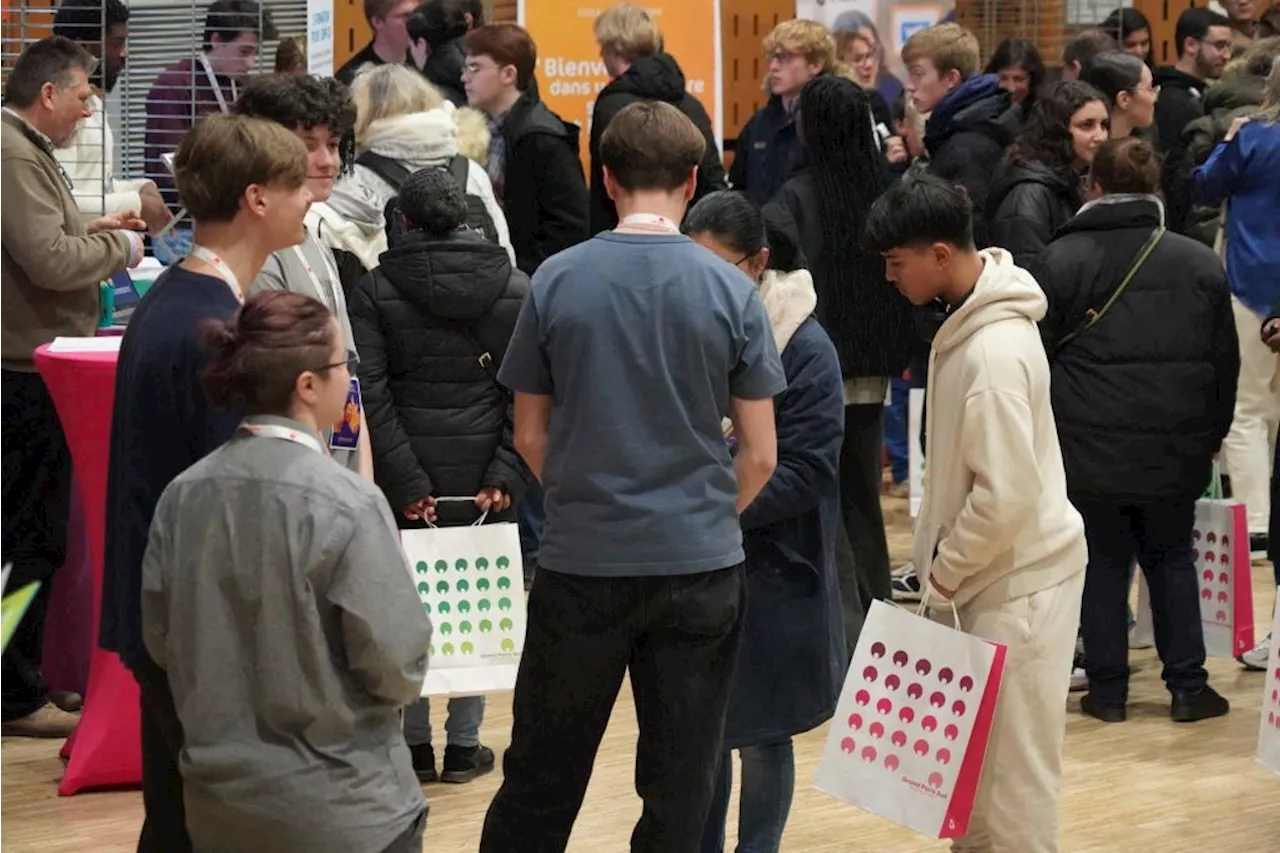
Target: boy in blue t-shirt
[{"x": 629, "y": 352}]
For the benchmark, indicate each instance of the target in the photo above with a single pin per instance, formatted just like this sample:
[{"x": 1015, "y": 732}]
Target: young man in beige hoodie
[{"x": 996, "y": 534}]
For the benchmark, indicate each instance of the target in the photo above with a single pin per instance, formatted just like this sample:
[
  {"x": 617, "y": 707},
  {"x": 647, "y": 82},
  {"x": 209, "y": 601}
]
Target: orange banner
[{"x": 571, "y": 73}]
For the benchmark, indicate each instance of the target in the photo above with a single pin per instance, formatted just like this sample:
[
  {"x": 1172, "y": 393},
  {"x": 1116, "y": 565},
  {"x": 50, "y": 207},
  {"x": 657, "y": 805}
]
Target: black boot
[
  {"x": 1204, "y": 704},
  {"x": 424, "y": 762},
  {"x": 464, "y": 763},
  {"x": 1099, "y": 711}
]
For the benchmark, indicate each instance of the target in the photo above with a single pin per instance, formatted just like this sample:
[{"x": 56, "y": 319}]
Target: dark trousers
[
  {"x": 860, "y": 480},
  {"x": 679, "y": 637},
  {"x": 164, "y": 827},
  {"x": 36, "y": 500},
  {"x": 1159, "y": 536}
]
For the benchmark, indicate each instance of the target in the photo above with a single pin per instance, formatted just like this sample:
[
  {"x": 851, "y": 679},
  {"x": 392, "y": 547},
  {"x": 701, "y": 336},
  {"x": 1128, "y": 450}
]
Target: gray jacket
[{"x": 277, "y": 598}]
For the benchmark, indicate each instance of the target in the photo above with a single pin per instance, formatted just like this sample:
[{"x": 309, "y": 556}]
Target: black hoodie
[
  {"x": 1029, "y": 202},
  {"x": 440, "y": 424},
  {"x": 1181, "y": 102},
  {"x": 544, "y": 195},
  {"x": 652, "y": 78}
]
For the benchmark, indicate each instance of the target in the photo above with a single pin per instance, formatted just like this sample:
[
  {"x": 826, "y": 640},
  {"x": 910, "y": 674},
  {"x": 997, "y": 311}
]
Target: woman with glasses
[
  {"x": 432, "y": 323},
  {"x": 277, "y": 598},
  {"x": 1130, "y": 88},
  {"x": 792, "y": 658}
]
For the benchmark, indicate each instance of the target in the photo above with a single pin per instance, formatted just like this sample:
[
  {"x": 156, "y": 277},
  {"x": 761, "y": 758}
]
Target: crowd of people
[{"x": 398, "y": 286}]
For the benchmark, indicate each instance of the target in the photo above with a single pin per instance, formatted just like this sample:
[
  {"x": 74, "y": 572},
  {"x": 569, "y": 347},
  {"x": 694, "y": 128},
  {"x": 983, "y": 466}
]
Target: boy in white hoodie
[{"x": 996, "y": 534}]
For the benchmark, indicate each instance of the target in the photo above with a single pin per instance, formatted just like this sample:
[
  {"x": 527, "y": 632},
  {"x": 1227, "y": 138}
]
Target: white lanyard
[
  {"x": 213, "y": 81},
  {"x": 329, "y": 293},
  {"x": 649, "y": 222},
  {"x": 283, "y": 433},
  {"x": 223, "y": 270}
]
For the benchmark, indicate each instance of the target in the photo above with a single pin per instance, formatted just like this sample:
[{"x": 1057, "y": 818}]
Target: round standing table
[{"x": 105, "y": 749}]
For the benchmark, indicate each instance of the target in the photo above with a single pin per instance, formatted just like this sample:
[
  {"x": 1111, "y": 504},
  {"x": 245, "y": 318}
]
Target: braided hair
[{"x": 866, "y": 317}]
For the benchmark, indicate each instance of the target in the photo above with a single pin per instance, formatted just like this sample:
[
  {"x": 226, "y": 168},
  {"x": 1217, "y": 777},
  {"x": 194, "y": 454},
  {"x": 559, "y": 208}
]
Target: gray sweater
[{"x": 276, "y": 596}]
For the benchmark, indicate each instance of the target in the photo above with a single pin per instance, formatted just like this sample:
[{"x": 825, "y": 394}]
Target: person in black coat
[
  {"x": 631, "y": 47},
  {"x": 791, "y": 662},
  {"x": 442, "y": 24},
  {"x": 1143, "y": 386},
  {"x": 1036, "y": 189},
  {"x": 534, "y": 159},
  {"x": 432, "y": 324},
  {"x": 869, "y": 321}
]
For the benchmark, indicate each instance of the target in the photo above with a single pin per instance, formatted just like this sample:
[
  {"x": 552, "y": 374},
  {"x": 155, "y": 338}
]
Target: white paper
[{"x": 108, "y": 343}]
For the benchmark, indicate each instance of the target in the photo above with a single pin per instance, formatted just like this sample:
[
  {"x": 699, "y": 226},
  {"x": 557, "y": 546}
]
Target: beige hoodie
[{"x": 995, "y": 504}]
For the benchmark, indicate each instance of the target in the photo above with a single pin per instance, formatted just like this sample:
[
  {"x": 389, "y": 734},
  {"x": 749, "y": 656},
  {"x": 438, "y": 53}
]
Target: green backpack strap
[{"x": 1092, "y": 316}]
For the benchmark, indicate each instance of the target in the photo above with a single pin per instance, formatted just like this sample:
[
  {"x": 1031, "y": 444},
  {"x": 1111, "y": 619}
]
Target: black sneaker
[
  {"x": 1204, "y": 704},
  {"x": 1258, "y": 543},
  {"x": 464, "y": 763},
  {"x": 424, "y": 762},
  {"x": 906, "y": 583},
  {"x": 1099, "y": 711}
]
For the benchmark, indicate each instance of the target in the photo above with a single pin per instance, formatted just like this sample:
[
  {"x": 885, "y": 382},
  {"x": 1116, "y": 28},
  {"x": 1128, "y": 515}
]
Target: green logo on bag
[
  {"x": 441, "y": 567},
  {"x": 503, "y": 563},
  {"x": 506, "y": 624},
  {"x": 482, "y": 585},
  {"x": 483, "y": 606},
  {"x": 446, "y": 628},
  {"x": 485, "y": 626},
  {"x": 468, "y": 649},
  {"x": 461, "y": 565},
  {"x": 443, "y": 607},
  {"x": 426, "y": 608},
  {"x": 504, "y": 604},
  {"x": 424, "y": 588},
  {"x": 482, "y": 565},
  {"x": 447, "y": 649},
  {"x": 464, "y": 606},
  {"x": 442, "y": 587},
  {"x": 504, "y": 583},
  {"x": 508, "y": 645},
  {"x": 421, "y": 567},
  {"x": 463, "y": 586},
  {"x": 464, "y": 627}
]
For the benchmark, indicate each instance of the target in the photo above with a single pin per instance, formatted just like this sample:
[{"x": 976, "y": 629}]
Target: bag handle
[
  {"x": 927, "y": 591},
  {"x": 1092, "y": 316},
  {"x": 477, "y": 523},
  {"x": 1214, "y": 492}
]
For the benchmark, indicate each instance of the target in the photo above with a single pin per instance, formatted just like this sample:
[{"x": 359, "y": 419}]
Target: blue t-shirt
[{"x": 641, "y": 341}]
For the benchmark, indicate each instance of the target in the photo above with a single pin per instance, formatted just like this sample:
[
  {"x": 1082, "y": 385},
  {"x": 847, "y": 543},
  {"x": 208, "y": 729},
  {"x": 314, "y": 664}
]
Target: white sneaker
[
  {"x": 1079, "y": 680},
  {"x": 1256, "y": 658}
]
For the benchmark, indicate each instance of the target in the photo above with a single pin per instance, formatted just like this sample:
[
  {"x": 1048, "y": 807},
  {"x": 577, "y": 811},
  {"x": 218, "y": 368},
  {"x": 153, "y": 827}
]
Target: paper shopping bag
[
  {"x": 1269, "y": 732},
  {"x": 1220, "y": 546},
  {"x": 910, "y": 732},
  {"x": 470, "y": 581}
]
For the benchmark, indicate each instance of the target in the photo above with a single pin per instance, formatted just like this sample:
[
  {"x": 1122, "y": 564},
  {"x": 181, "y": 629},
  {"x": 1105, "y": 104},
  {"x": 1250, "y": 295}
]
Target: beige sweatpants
[
  {"x": 1017, "y": 804},
  {"x": 1249, "y": 446}
]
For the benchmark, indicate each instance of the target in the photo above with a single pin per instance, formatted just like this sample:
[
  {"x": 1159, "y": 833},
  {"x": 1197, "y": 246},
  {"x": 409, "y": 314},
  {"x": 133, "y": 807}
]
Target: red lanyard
[
  {"x": 283, "y": 433},
  {"x": 224, "y": 271}
]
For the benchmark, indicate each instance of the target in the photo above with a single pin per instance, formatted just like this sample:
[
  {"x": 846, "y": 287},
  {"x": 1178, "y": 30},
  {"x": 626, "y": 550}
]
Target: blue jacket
[
  {"x": 792, "y": 660},
  {"x": 767, "y": 152},
  {"x": 1245, "y": 173}
]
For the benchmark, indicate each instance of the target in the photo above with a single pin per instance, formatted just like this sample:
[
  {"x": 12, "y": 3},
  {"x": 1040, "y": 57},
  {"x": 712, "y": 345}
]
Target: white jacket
[
  {"x": 89, "y": 161},
  {"x": 995, "y": 507},
  {"x": 417, "y": 141}
]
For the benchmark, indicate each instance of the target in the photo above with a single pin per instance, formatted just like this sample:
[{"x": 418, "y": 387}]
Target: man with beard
[
  {"x": 102, "y": 28},
  {"x": 50, "y": 265}
]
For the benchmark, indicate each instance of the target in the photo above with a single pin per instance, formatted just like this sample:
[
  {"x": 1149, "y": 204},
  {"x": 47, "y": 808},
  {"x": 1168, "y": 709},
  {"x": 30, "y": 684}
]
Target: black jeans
[
  {"x": 861, "y": 476},
  {"x": 36, "y": 499},
  {"x": 1159, "y": 535},
  {"x": 678, "y": 636},
  {"x": 164, "y": 827}
]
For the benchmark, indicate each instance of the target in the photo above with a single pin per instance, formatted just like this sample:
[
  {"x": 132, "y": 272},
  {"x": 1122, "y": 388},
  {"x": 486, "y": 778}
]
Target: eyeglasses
[
  {"x": 472, "y": 68},
  {"x": 1220, "y": 46},
  {"x": 1155, "y": 90},
  {"x": 352, "y": 361}
]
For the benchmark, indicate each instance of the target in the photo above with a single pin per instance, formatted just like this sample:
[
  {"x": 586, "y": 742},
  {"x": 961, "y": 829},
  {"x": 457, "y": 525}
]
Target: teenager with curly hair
[{"x": 1037, "y": 188}]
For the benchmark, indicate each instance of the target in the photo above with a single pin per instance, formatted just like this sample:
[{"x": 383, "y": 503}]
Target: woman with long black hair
[
  {"x": 1021, "y": 71},
  {"x": 869, "y": 321},
  {"x": 1129, "y": 86},
  {"x": 1038, "y": 187},
  {"x": 1132, "y": 29}
]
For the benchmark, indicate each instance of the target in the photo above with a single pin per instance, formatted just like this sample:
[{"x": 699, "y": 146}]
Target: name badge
[{"x": 346, "y": 432}]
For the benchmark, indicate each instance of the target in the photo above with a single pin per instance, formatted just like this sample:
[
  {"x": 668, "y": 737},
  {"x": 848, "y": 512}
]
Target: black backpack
[{"x": 395, "y": 174}]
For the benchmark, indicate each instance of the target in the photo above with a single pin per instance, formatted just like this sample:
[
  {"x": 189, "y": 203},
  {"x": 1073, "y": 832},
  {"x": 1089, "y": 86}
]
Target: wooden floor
[{"x": 1145, "y": 785}]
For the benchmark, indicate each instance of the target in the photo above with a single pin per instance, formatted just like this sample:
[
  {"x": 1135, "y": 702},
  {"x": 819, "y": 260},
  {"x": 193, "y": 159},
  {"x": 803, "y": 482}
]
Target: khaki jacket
[{"x": 50, "y": 267}]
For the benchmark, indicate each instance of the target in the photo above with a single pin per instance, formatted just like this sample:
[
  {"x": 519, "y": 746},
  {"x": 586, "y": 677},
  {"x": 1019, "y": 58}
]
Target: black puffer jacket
[
  {"x": 440, "y": 424},
  {"x": 966, "y": 136},
  {"x": 1144, "y": 398},
  {"x": 1029, "y": 202},
  {"x": 652, "y": 78}
]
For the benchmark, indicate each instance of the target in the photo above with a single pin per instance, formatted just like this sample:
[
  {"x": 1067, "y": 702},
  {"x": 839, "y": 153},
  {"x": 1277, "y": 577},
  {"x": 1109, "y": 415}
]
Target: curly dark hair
[
  {"x": 1046, "y": 136},
  {"x": 303, "y": 101},
  {"x": 432, "y": 201}
]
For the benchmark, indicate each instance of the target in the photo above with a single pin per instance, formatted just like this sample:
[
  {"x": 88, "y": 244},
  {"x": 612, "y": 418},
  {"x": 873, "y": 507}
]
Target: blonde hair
[
  {"x": 808, "y": 38},
  {"x": 1270, "y": 109},
  {"x": 629, "y": 31},
  {"x": 473, "y": 134},
  {"x": 948, "y": 46},
  {"x": 389, "y": 91}
]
